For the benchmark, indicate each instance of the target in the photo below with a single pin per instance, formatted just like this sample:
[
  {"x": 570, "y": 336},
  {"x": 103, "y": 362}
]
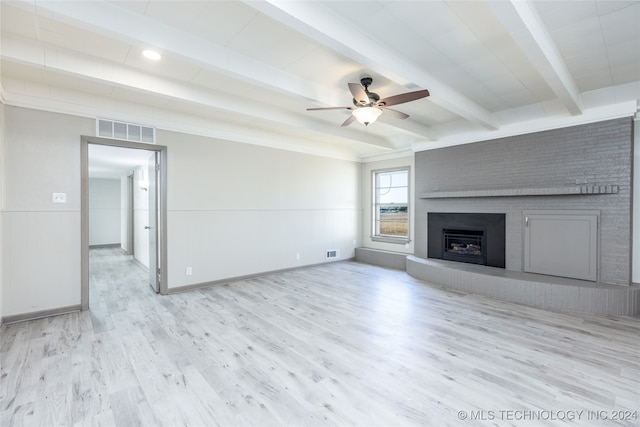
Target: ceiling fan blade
[
  {"x": 403, "y": 97},
  {"x": 359, "y": 94},
  {"x": 329, "y": 108},
  {"x": 393, "y": 113},
  {"x": 349, "y": 120}
]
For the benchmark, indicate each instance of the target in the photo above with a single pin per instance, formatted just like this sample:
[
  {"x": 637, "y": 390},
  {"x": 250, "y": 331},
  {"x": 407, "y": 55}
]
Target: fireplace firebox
[
  {"x": 477, "y": 238},
  {"x": 465, "y": 245}
]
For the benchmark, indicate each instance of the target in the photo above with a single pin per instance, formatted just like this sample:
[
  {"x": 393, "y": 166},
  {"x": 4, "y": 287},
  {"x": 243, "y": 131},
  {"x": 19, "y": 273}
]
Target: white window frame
[{"x": 375, "y": 233}]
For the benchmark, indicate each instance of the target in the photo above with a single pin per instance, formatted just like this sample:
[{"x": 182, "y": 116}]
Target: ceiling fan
[{"x": 367, "y": 106}]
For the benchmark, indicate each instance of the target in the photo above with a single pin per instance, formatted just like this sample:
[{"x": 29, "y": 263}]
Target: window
[{"x": 391, "y": 205}]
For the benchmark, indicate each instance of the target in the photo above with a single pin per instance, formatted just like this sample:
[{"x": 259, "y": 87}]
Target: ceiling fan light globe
[{"x": 367, "y": 115}]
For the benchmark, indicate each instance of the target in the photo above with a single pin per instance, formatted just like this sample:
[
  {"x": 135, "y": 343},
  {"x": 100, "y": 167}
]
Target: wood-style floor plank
[{"x": 342, "y": 344}]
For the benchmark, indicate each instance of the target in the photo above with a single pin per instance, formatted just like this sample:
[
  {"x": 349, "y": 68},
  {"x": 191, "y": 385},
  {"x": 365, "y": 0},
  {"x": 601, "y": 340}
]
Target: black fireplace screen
[{"x": 463, "y": 245}]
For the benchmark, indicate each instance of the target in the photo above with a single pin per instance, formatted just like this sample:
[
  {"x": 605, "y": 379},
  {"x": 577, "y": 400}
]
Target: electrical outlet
[
  {"x": 59, "y": 197},
  {"x": 298, "y": 257},
  {"x": 189, "y": 271}
]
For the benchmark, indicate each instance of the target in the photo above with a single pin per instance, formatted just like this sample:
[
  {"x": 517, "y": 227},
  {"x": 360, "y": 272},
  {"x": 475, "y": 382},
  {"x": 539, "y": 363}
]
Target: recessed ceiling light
[{"x": 152, "y": 54}]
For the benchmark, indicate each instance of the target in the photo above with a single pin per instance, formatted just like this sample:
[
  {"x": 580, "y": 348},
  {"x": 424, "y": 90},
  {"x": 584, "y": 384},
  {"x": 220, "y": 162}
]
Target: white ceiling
[{"x": 247, "y": 70}]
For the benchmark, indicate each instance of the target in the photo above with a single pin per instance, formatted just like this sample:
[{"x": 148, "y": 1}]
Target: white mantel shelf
[{"x": 575, "y": 190}]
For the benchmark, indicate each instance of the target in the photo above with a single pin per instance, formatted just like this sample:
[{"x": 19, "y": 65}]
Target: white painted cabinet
[{"x": 561, "y": 243}]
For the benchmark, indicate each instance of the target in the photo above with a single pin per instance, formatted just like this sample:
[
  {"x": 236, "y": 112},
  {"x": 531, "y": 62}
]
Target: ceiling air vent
[{"x": 127, "y": 131}]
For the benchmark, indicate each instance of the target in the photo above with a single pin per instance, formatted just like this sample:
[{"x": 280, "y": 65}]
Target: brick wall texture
[{"x": 595, "y": 154}]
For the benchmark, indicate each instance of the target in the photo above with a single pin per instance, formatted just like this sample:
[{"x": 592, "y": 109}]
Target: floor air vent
[
  {"x": 333, "y": 253},
  {"x": 127, "y": 131}
]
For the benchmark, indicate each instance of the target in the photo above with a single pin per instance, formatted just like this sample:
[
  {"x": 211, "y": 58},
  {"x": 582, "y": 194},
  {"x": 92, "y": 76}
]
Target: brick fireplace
[{"x": 586, "y": 167}]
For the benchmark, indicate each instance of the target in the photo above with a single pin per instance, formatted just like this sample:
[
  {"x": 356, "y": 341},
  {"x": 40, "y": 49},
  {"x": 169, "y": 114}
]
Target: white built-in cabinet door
[{"x": 561, "y": 243}]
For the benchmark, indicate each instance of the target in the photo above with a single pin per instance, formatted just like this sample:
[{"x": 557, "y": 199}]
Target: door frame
[{"x": 84, "y": 208}]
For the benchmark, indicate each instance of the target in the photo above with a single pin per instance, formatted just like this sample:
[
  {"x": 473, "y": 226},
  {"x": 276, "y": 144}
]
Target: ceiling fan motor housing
[
  {"x": 366, "y": 81},
  {"x": 373, "y": 100},
  {"x": 373, "y": 97}
]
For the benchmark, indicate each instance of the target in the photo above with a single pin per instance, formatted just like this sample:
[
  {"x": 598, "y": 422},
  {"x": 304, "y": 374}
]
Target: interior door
[
  {"x": 154, "y": 212},
  {"x": 128, "y": 223}
]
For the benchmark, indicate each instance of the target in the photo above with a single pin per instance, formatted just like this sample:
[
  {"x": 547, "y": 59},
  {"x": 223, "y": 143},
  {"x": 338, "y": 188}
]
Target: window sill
[{"x": 396, "y": 240}]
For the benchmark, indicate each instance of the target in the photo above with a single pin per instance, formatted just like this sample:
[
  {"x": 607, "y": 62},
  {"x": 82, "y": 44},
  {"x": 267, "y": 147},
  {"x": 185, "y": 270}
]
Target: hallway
[{"x": 117, "y": 283}]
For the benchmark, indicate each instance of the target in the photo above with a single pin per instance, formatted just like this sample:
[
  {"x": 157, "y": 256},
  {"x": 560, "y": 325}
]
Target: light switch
[{"x": 59, "y": 197}]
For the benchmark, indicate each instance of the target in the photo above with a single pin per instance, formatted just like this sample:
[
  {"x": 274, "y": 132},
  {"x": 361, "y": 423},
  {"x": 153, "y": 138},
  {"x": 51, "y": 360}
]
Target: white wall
[
  {"x": 233, "y": 209},
  {"x": 140, "y": 220},
  {"x": 367, "y": 203},
  {"x": 238, "y": 209},
  {"x": 41, "y": 255},
  {"x": 104, "y": 211}
]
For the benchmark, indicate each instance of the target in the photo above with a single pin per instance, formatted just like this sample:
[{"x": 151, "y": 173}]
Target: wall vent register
[
  {"x": 333, "y": 253},
  {"x": 106, "y": 128}
]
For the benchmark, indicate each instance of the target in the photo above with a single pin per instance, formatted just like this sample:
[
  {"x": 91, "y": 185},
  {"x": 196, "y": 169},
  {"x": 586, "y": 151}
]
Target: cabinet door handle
[{"x": 526, "y": 221}]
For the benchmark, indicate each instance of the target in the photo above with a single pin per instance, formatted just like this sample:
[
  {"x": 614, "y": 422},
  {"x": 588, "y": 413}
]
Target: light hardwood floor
[{"x": 342, "y": 344}]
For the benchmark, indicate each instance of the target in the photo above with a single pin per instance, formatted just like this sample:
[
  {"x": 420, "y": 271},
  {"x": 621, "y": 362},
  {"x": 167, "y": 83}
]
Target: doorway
[{"x": 152, "y": 179}]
